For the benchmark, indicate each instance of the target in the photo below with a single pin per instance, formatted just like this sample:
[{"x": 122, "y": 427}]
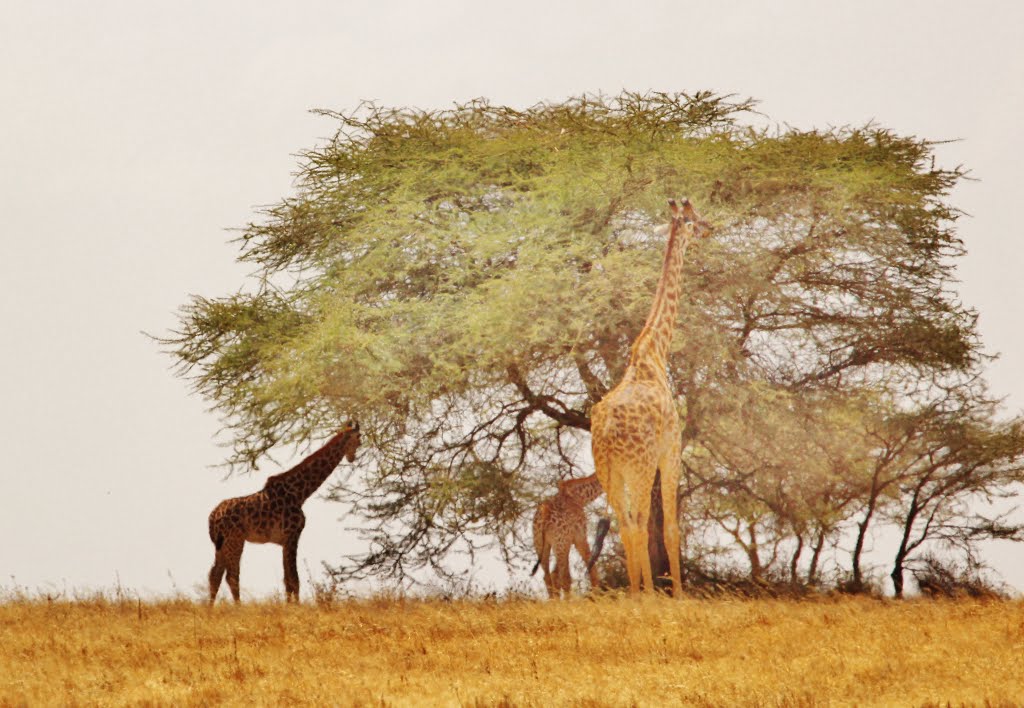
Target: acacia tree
[{"x": 467, "y": 282}]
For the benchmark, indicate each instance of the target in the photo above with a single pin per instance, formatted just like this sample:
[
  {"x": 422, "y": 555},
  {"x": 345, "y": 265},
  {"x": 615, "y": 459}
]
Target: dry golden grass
[{"x": 610, "y": 651}]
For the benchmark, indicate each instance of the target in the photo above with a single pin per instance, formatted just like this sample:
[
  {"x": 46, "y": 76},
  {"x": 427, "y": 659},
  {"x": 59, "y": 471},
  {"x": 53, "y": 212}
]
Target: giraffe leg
[
  {"x": 545, "y": 563},
  {"x": 542, "y": 545},
  {"x": 640, "y": 516},
  {"x": 616, "y": 492},
  {"x": 295, "y": 521},
  {"x": 628, "y": 531},
  {"x": 630, "y": 497},
  {"x": 634, "y": 538},
  {"x": 670, "y": 506},
  {"x": 232, "y": 551},
  {"x": 563, "y": 578},
  {"x": 583, "y": 548},
  {"x": 290, "y": 551},
  {"x": 216, "y": 575}
]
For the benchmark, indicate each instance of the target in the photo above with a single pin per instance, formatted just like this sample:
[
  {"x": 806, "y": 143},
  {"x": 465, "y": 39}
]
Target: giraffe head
[
  {"x": 684, "y": 214},
  {"x": 352, "y": 443}
]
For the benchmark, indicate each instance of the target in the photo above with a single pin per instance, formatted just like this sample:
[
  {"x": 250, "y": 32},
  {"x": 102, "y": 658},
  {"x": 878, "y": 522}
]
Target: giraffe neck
[
  {"x": 583, "y": 490},
  {"x": 307, "y": 476},
  {"x": 649, "y": 354}
]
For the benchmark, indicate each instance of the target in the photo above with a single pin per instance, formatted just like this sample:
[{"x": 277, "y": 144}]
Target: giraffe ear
[{"x": 689, "y": 213}]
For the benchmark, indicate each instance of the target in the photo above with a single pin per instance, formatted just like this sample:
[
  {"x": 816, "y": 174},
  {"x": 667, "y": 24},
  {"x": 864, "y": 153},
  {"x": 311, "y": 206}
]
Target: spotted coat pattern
[
  {"x": 635, "y": 429},
  {"x": 560, "y": 523},
  {"x": 274, "y": 514}
]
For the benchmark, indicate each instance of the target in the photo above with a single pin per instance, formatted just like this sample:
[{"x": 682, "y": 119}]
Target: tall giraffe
[
  {"x": 635, "y": 429},
  {"x": 561, "y": 523},
  {"x": 274, "y": 514}
]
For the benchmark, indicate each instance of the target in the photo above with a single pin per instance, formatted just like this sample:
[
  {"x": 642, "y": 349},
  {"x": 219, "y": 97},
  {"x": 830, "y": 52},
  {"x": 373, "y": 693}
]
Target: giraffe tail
[
  {"x": 540, "y": 554},
  {"x": 216, "y": 536},
  {"x": 603, "y": 524}
]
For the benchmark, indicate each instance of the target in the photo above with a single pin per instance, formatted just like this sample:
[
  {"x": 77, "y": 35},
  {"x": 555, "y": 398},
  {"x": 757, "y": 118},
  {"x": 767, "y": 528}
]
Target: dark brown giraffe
[
  {"x": 559, "y": 524},
  {"x": 274, "y": 514}
]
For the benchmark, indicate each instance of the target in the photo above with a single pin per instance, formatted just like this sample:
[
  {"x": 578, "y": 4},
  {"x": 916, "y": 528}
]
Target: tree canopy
[{"x": 467, "y": 282}]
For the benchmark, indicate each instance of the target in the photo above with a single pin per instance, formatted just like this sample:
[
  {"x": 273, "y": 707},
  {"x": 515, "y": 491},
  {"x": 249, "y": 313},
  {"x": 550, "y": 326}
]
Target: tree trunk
[
  {"x": 904, "y": 549},
  {"x": 858, "y": 546},
  {"x": 795, "y": 560},
  {"x": 905, "y": 546},
  {"x": 812, "y": 570},
  {"x": 897, "y": 575},
  {"x": 753, "y": 557},
  {"x": 656, "y": 532}
]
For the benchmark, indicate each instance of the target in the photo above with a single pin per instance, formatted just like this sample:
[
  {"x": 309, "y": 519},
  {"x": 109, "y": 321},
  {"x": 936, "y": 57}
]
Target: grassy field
[{"x": 584, "y": 653}]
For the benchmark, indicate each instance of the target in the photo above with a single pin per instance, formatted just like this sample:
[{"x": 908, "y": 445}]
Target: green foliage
[{"x": 467, "y": 282}]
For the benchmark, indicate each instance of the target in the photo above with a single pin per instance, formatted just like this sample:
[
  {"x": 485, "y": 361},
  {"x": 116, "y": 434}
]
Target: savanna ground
[{"x": 607, "y": 651}]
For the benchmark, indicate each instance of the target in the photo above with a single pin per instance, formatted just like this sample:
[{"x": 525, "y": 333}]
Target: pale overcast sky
[{"x": 135, "y": 133}]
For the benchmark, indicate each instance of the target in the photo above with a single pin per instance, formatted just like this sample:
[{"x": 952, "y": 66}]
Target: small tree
[
  {"x": 962, "y": 457},
  {"x": 782, "y": 472}
]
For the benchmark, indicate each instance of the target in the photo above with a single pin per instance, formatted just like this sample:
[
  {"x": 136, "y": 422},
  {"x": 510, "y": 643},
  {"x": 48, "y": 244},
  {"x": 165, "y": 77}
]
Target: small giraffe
[
  {"x": 635, "y": 429},
  {"x": 274, "y": 514},
  {"x": 560, "y": 523}
]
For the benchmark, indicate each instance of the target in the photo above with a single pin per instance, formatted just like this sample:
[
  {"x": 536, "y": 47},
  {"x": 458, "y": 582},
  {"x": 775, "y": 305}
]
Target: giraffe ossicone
[{"x": 274, "y": 514}]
